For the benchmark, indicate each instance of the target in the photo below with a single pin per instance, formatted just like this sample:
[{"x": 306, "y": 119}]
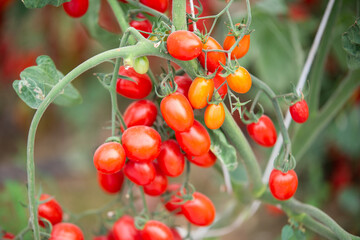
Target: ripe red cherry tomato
[
  {"x": 143, "y": 25},
  {"x": 214, "y": 116},
  {"x": 109, "y": 158},
  {"x": 218, "y": 80},
  {"x": 111, "y": 183},
  {"x": 124, "y": 229},
  {"x": 200, "y": 211},
  {"x": 155, "y": 230},
  {"x": 142, "y": 112},
  {"x": 50, "y": 210},
  {"x": 240, "y": 81},
  {"x": 184, "y": 45},
  {"x": 263, "y": 132},
  {"x": 134, "y": 90},
  {"x": 177, "y": 112},
  {"x": 299, "y": 111},
  {"x": 241, "y": 49},
  {"x": 76, "y": 8},
  {"x": 171, "y": 203},
  {"x": 158, "y": 5},
  {"x": 200, "y": 92},
  {"x": 141, "y": 143},
  {"x": 196, "y": 141},
  {"x": 206, "y": 160},
  {"x": 213, "y": 58},
  {"x": 8, "y": 235},
  {"x": 66, "y": 231},
  {"x": 183, "y": 83},
  {"x": 158, "y": 185},
  {"x": 140, "y": 173},
  {"x": 175, "y": 234},
  {"x": 283, "y": 185},
  {"x": 171, "y": 161}
]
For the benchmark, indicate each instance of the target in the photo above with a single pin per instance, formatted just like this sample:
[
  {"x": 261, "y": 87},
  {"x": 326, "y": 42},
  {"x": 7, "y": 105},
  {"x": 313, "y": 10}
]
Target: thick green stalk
[
  {"x": 119, "y": 14},
  {"x": 179, "y": 14}
]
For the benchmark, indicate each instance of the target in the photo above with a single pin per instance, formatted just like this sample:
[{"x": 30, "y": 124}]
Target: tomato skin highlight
[
  {"x": 299, "y": 111},
  {"x": 140, "y": 173},
  {"x": 141, "y": 143},
  {"x": 241, "y": 49},
  {"x": 218, "y": 80},
  {"x": 158, "y": 5},
  {"x": 213, "y": 58},
  {"x": 263, "y": 132},
  {"x": 111, "y": 183},
  {"x": 142, "y": 25},
  {"x": 124, "y": 229},
  {"x": 142, "y": 112},
  {"x": 240, "y": 81},
  {"x": 158, "y": 185},
  {"x": 183, "y": 84},
  {"x": 109, "y": 158},
  {"x": 283, "y": 185},
  {"x": 139, "y": 89},
  {"x": 184, "y": 45},
  {"x": 200, "y": 211},
  {"x": 51, "y": 210},
  {"x": 206, "y": 160},
  {"x": 155, "y": 230},
  {"x": 66, "y": 231},
  {"x": 177, "y": 112},
  {"x": 200, "y": 91},
  {"x": 76, "y": 8},
  {"x": 196, "y": 141},
  {"x": 214, "y": 116},
  {"x": 171, "y": 161}
]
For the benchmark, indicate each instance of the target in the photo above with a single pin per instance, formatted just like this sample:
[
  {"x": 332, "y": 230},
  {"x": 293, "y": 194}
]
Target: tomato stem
[{"x": 146, "y": 209}]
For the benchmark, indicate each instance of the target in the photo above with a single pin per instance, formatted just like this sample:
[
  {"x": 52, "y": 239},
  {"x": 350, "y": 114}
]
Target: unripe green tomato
[{"x": 141, "y": 65}]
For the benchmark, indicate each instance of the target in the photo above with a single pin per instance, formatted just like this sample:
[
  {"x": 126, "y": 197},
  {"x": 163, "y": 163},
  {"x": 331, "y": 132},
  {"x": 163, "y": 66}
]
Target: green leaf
[
  {"x": 299, "y": 235},
  {"x": 287, "y": 232},
  {"x": 351, "y": 45},
  {"x": 37, "y": 81},
  {"x": 42, "y": 3}
]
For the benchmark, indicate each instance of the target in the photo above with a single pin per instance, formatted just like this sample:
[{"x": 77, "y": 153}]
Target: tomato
[
  {"x": 142, "y": 112},
  {"x": 184, "y": 45},
  {"x": 214, "y": 116},
  {"x": 111, "y": 235},
  {"x": 76, "y": 8},
  {"x": 299, "y": 111},
  {"x": 155, "y": 230},
  {"x": 158, "y": 5},
  {"x": 109, "y": 158},
  {"x": 172, "y": 204},
  {"x": 177, "y": 112},
  {"x": 213, "y": 59},
  {"x": 200, "y": 92},
  {"x": 240, "y": 81},
  {"x": 196, "y": 141},
  {"x": 134, "y": 90},
  {"x": 158, "y": 185},
  {"x": 142, "y": 25},
  {"x": 7, "y": 235},
  {"x": 141, "y": 143},
  {"x": 124, "y": 229},
  {"x": 171, "y": 161},
  {"x": 183, "y": 83},
  {"x": 298, "y": 12},
  {"x": 199, "y": 211},
  {"x": 274, "y": 210},
  {"x": 66, "y": 231},
  {"x": 241, "y": 49},
  {"x": 263, "y": 132},
  {"x": 206, "y": 160},
  {"x": 141, "y": 65},
  {"x": 140, "y": 173},
  {"x": 50, "y": 210},
  {"x": 218, "y": 80},
  {"x": 111, "y": 183},
  {"x": 175, "y": 234},
  {"x": 107, "y": 19},
  {"x": 283, "y": 185}
]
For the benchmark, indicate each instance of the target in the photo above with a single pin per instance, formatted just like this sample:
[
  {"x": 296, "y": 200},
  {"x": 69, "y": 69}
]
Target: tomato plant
[
  {"x": 184, "y": 45},
  {"x": 299, "y": 111},
  {"x": 239, "y": 81},
  {"x": 76, "y": 8},
  {"x": 214, "y": 115},
  {"x": 140, "y": 173},
  {"x": 139, "y": 87},
  {"x": 213, "y": 59},
  {"x": 50, "y": 210},
  {"x": 124, "y": 229},
  {"x": 142, "y": 112},
  {"x": 263, "y": 131},
  {"x": 200, "y": 92},
  {"x": 241, "y": 49},
  {"x": 283, "y": 185},
  {"x": 206, "y": 160},
  {"x": 183, "y": 83},
  {"x": 159, "y": 5},
  {"x": 111, "y": 183},
  {"x": 199, "y": 211},
  {"x": 171, "y": 161},
  {"x": 109, "y": 158},
  {"x": 68, "y": 231},
  {"x": 158, "y": 185},
  {"x": 142, "y": 24}
]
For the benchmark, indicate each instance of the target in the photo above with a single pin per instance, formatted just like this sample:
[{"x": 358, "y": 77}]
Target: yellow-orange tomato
[
  {"x": 214, "y": 116},
  {"x": 200, "y": 91},
  {"x": 240, "y": 81},
  {"x": 241, "y": 49}
]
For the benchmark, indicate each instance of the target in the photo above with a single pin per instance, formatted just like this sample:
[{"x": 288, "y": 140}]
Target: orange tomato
[
  {"x": 241, "y": 49},
  {"x": 200, "y": 91},
  {"x": 214, "y": 115},
  {"x": 240, "y": 81}
]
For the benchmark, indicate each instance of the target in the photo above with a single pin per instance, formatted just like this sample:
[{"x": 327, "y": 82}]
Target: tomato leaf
[
  {"x": 351, "y": 45},
  {"x": 42, "y": 3},
  {"x": 287, "y": 232},
  {"x": 37, "y": 81}
]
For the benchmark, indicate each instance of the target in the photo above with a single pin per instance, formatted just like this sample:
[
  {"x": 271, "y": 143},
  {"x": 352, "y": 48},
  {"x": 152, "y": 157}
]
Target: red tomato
[
  {"x": 298, "y": 12},
  {"x": 142, "y": 112},
  {"x": 177, "y": 112},
  {"x": 214, "y": 116},
  {"x": 7, "y": 235},
  {"x": 200, "y": 211},
  {"x": 274, "y": 210},
  {"x": 109, "y": 158},
  {"x": 155, "y": 230},
  {"x": 171, "y": 161},
  {"x": 111, "y": 235},
  {"x": 283, "y": 185},
  {"x": 66, "y": 231},
  {"x": 200, "y": 92},
  {"x": 143, "y": 25},
  {"x": 107, "y": 18},
  {"x": 203, "y": 25},
  {"x": 241, "y": 49},
  {"x": 124, "y": 229},
  {"x": 141, "y": 143},
  {"x": 51, "y": 210},
  {"x": 76, "y": 8},
  {"x": 158, "y": 185},
  {"x": 184, "y": 45},
  {"x": 175, "y": 234},
  {"x": 140, "y": 173},
  {"x": 196, "y": 141},
  {"x": 299, "y": 111},
  {"x": 111, "y": 183},
  {"x": 171, "y": 204},
  {"x": 206, "y": 160},
  {"x": 240, "y": 81},
  {"x": 213, "y": 59},
  {"x": 218, "y": 80},
  {"x": 158, "y": 5},
  {"x": 263, "y": 132},
  {"x": 134, "y": 90},
  {"x": 183, "y": 83}
]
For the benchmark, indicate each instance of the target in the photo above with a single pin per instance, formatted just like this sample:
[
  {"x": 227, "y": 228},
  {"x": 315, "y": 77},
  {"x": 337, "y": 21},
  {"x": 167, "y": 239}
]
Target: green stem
[
  {"x": 119, "y": 14},
  {"x": 147, "y": 212},
  {"x": 179, "y": 14}
]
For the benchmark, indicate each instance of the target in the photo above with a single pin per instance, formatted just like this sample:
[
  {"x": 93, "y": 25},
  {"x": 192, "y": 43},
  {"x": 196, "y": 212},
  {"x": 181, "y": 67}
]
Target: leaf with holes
[
  {"x": 37, "y": 81},
  {"x": 42, "y": 3},
  {"x": 351, "y": 45}
]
